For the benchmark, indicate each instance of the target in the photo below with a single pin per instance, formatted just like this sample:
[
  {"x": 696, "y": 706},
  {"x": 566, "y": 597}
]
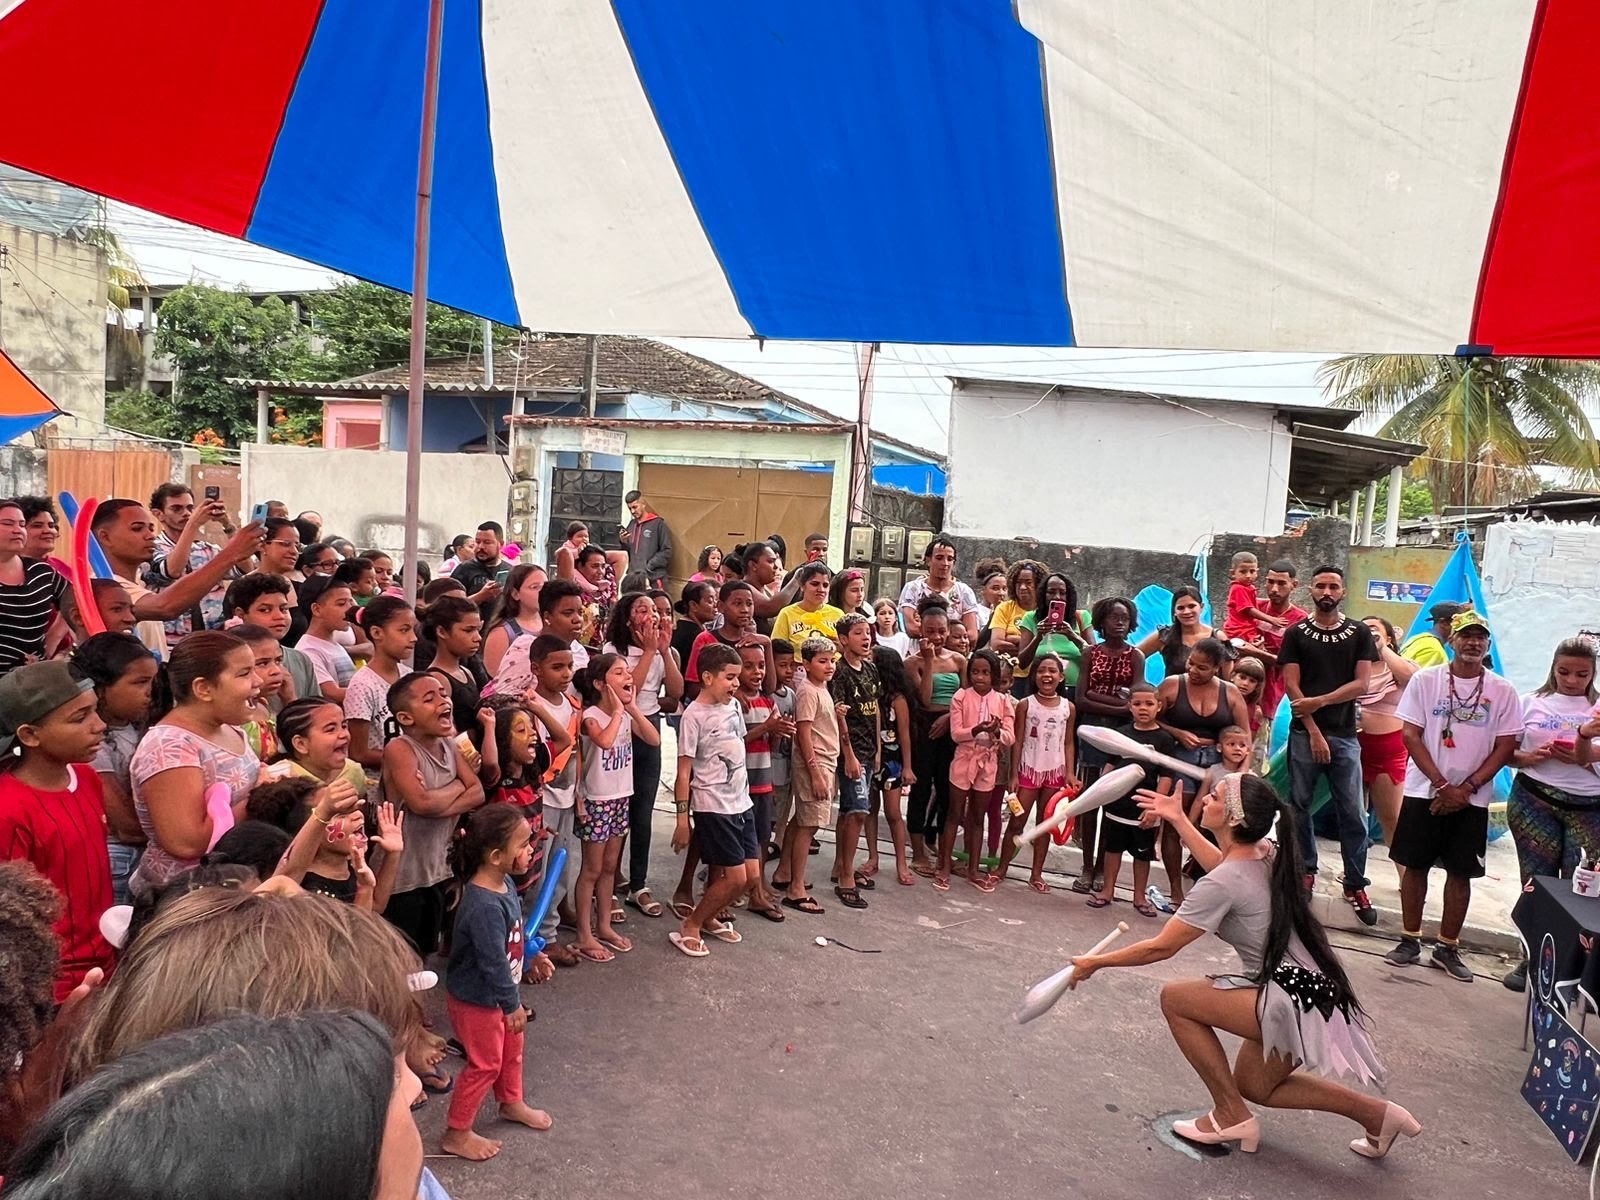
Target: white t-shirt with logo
[
  {"x": 607, "y": 771},
  {"x": 1548, "y": 718},
  {"x": 330, "y": 663},
  {"x": 367, "y": 699},
  {"x": 713, "y": 736},
  {"x": 1426, "y": 703}
]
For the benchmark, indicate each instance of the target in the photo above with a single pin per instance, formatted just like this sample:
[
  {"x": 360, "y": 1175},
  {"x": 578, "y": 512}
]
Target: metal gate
[
  {"x": 107, "y": 474},
  {"x": 593, "y": 497}
]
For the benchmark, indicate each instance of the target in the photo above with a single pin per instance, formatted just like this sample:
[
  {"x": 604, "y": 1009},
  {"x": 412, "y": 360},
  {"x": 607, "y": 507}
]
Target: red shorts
[{"x": 1383, "y": 754}]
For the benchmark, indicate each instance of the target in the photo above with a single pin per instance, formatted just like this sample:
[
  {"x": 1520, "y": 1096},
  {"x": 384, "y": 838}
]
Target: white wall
[
  {"x": 1062, "y": 465},
  {"x": 361, "y": 493},
  {"x": 1540, "y": 580}
]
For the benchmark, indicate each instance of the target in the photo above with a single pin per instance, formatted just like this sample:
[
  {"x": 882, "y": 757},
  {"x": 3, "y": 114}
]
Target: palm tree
[{"x": 1485, "y": 423}]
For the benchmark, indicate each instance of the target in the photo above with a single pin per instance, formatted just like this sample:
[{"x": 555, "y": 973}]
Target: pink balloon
[{"x": 219, "y": 807}]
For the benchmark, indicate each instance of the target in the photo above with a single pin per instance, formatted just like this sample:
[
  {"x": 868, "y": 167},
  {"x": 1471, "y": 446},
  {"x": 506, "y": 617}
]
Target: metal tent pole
[{"x": 419, "y": 292}]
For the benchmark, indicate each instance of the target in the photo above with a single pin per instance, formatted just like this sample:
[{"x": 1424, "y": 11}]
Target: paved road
[{"x": 781, "y": 1068}]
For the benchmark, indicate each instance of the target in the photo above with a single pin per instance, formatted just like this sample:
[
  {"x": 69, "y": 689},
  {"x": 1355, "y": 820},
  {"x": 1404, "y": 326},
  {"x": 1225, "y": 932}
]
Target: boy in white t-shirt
[
  {"x": 1462, "y": 723},
  {"x": 713, "y": 781},
  {"x": 330, "y": 603},
  {"x": 551, "y": 661}
]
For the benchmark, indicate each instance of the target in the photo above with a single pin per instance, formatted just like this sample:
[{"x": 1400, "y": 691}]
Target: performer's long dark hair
[{"x": 1291, "y": 914}]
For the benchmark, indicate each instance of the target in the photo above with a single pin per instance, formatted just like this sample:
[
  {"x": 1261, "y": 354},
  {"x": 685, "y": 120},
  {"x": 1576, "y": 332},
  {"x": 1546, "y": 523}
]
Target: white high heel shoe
[
  {"x": 1396, "y": 1121},
  {"x": 1247, "y": 1132}
]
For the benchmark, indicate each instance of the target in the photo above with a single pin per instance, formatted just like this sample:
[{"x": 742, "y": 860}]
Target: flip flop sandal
[
  {"x": 984, "y": 883},
  {"x": 849, "y": 897},
  {"x": 681, "y": 909},
  {"x": 1082, "y": 886},
  {"x": 430, "y": 1082},
  {"x": 422, "y": 1098},
  {"x": 1039, "y": 886},
  {"x": 919, "y": 869},
  {"x": 649, "y": 905},
  {"x": 601, "y": 955},
  {"x": 725, "y": 916},
  {"x": 771, "y": 914},
  {"x": 865, "y": 882},
  {"x": 693, "y": 947},
  {"x": 618, "y": 947},
  {"x": 619, "y": 915},
  {"x": 941, "y": 883},
  {"x": 1145, "y": 910},
  {"x": 780, "y": 885},
  {"x": 808, "y": 905},
  {"x": 1098, "y": 902},
  {"x": 727, "y": 934}
]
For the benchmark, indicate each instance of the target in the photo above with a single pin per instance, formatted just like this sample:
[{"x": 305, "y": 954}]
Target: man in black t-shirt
[{"x": 1326, "y": 660}]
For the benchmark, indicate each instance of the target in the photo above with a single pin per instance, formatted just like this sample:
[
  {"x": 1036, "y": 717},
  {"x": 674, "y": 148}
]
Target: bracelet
[
  {"x": 319, "y": 820},
  {"x": 681, "y": 808}
]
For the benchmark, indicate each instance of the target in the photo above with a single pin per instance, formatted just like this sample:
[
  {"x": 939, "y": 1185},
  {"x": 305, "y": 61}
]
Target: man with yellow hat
[{"x": 1462, "y": 723}]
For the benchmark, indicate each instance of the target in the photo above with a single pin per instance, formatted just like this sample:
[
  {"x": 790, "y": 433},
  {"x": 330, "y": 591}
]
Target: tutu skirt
[{"x": 1303, "y": 1024}]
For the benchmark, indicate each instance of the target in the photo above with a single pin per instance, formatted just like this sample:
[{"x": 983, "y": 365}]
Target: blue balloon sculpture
[
  {"x": 532, "y": 943},
  {"x": 97, "y": 556}
]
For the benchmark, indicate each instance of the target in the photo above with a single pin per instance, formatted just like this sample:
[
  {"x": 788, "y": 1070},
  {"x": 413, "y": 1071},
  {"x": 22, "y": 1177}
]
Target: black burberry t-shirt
[{"x": 1327, "y": 658}]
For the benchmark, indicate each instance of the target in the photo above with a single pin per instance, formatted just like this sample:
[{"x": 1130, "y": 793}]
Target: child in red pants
[{"x": 485, "y": 967}]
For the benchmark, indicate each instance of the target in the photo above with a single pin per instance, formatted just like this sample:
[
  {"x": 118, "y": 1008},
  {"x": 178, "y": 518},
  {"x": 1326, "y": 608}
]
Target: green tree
[
  {"x": 363, "y": 327},
  {"x": 1416, "y": 499},
  {"x": 213, "y": 336},
  {"x": 1484, "y": 423}
]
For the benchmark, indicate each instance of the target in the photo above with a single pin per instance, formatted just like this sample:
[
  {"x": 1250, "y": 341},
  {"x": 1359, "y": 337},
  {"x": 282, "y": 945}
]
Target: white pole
[
  {"x": 1355, "y": 516},
  {"x": 861, "y": 442},
  {"x": 263, "y": 417},
  {"x": 1391, "y": 516},
  {"x": 1366, "y": 512},
  {"x": 419, "y": 291}
]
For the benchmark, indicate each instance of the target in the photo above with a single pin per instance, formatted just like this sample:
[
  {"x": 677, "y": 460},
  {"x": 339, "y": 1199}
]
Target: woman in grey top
[{"x": 1292, "y": 1005}]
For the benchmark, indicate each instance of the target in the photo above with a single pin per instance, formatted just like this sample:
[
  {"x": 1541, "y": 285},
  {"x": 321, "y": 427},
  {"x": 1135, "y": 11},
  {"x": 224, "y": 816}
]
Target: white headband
[{"x": 1232, "y": 804}]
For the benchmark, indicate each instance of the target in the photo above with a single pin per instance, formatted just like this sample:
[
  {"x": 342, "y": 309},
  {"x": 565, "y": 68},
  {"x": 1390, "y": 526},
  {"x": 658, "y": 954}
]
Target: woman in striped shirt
[{"x": 31, "y": 595}]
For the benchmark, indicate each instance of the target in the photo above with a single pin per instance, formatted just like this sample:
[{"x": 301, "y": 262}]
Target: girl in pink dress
[{"x": 980, "y": 724}]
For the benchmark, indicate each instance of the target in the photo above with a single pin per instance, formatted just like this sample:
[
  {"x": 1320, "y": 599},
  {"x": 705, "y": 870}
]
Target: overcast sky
[{"x": 911, "y": 390}]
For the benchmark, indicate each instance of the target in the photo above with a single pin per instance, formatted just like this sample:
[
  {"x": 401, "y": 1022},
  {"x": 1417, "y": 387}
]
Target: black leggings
[
  {"x": 641, "y": 806},
  {"x": 930, "y": 758}
]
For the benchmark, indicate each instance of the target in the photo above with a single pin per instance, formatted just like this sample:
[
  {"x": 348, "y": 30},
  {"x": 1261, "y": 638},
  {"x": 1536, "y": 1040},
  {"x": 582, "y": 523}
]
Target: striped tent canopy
[{"x": 1308, "y": 175}]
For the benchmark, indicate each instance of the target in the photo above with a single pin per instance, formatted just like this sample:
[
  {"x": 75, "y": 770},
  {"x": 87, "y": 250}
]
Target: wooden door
[
  {"x": 703, "y": 506},
  {"x": 795, "y": 503}
]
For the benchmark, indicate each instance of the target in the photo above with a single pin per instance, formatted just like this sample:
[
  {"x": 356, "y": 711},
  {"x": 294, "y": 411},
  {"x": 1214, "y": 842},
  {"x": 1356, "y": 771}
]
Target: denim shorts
[{"x": 854, "y": 795}]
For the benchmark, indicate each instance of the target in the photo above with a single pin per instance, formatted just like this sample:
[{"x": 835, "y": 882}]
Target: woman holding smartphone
[{"x": 1057, "y": 626}]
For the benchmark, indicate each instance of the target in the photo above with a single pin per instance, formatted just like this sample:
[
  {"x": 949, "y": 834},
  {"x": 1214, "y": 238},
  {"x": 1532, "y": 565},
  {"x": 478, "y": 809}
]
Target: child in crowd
[
  {"x": 810, "y": 615},
  {"x": 435, "y": 591},
  {"x": 611, "y": 719},
  {"x": 958, "y": 639},
  {"x": 1125, "y": 828},
  {"x": 817, "y": 737},
  {"x": 1250, "y": 677},
  {"x": 783, "y": 698},
  {"x": 763, "y": 725},
  {"x": 391, "y": 627},
  {"x": 894, "y": 772},
  {"x": 51, "y": 812},
  {"x": 457, "y": 629},
  {"x": 995, "y": 815},
  {"x": 713, "y": 781},
  {"x": 485, "y": 967},
  {"x": 855, "y": 690},
  {"x": 562, "y": 614},
  {"x": 431, "y": 782},
  {"x": 1043, "y": 760},
  {"x": 115, "y": 606},
  {"x": 736, "y": 605},
  {"x": 329, "y": 604},
  {"x": 551, "y": 660},
  {"x": 1246, "y": 618},
  {"x": 980, "y": 724},
  {"x": 123, "y": 672},
  {"x": 314, "y": 743},
  {"x": 272, "y": 681},
  {"x": 886, "y": 625},
  {"x": 328, "y": 855},
  {"x": 263, "y": 600},
  {"x": 358, "y": 575},
  {"x": 382, "y": 572}
]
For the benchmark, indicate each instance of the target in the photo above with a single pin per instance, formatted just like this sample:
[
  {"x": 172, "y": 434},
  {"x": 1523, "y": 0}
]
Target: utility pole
[
  {"x": 861, "y": 442},
  {"x": 590, "y": 389}
]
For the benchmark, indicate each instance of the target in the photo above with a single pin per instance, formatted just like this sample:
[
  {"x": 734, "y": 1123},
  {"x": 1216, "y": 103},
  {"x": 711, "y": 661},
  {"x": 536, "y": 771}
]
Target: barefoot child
[
  {"x": 855, "y": 691},
  {"x": 817, "y": 743},
  {"x": 485, "y": 967},
  {"x": 763, "y": 724},
  {"x": 980, "y": 723},
  {"x": 894, "y": 761},
  {"x": 1043, "y": 760},
  {"x": 610, "y": 721},
  {"x": 1124, "y": 829},
  {"x": 713, "y": 780}
]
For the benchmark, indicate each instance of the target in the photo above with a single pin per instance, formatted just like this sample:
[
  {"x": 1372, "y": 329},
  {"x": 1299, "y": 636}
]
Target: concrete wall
[
  {"x": 53, "y": 321},
  {"x": 1061, "y": 465},
  {"x": 361, "y": 493},
  {"x": 22, "y": 471},
  {"x": 1100, "y": 571}
]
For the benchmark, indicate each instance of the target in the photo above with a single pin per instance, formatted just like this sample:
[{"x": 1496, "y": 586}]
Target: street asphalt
[{"x": 779, "y": 1067}]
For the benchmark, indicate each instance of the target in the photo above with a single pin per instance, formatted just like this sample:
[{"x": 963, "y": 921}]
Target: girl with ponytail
[{"x": 1293, "y": 1004}]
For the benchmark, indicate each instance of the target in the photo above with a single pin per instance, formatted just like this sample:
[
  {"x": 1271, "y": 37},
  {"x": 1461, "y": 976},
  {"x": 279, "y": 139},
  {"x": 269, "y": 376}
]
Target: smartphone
[
  {"x": 1057, "y": 613},
  {"x": 259, "y": 512},
  {"x": 213, "y": 493},
  {"x": 502, "y": 575}
]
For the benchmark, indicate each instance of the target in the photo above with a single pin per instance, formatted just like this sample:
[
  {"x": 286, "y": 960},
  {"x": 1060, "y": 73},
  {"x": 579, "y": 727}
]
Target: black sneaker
[
  {"x": 1448, "y": 960},
  {"x": 1407, "y": 953},
  {"x": 1517, "y": 978},
  {"x": 1364, "y": 910}
]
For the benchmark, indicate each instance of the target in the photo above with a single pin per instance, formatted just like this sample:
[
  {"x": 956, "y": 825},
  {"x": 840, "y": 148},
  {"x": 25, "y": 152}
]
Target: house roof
[
  {"x": 559, "y": 362},
  {"x": 1303, "y": 414}
]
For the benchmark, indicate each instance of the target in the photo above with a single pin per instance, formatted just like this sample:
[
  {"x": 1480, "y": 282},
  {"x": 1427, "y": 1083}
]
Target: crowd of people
[{"x": 269, "y": 718}]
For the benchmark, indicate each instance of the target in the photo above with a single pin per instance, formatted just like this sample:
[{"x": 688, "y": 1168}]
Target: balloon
[
  {"x": 554, "y": 863},
  {"x": 97, "y": 556},
  {"x": 219, "y": 807},
  {"x": 82, "y": 576}
]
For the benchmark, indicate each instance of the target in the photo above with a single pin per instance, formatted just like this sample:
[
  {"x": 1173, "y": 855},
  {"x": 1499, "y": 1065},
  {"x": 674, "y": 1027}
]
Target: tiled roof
[{"x": 626, "y": 364}]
